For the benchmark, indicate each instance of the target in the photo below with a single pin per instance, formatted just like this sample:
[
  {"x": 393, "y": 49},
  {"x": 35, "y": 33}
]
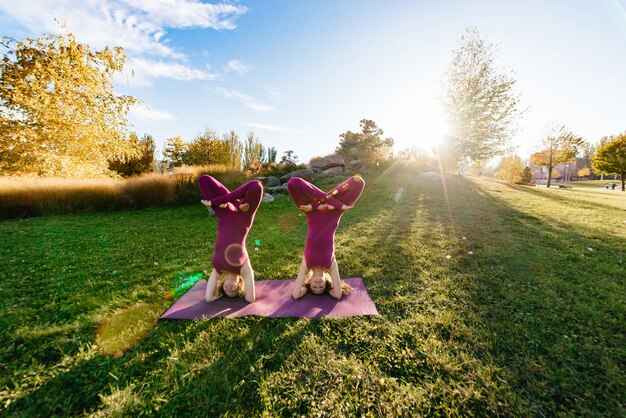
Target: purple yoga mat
[{"x": 273, "y": 298}]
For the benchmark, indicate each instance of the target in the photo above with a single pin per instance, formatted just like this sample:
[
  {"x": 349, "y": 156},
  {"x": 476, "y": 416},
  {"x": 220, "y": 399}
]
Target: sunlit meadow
[{"x": 500, "y": 300}]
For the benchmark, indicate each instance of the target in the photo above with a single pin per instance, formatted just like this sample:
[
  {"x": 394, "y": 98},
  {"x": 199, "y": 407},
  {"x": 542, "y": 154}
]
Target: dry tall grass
[{"x": 28, "y": 196}]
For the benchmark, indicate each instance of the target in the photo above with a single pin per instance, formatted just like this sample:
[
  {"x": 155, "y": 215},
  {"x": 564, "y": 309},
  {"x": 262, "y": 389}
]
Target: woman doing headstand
[
  {"x": 319, "y": 269},
  {"x": 232, "y": 273}
]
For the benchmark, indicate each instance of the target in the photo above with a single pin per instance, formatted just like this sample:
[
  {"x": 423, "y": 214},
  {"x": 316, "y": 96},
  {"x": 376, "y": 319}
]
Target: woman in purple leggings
[
  {"x": 318, "y": 270},
  {"x": 232, "y": 273}
]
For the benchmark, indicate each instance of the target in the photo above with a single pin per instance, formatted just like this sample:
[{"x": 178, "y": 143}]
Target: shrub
[{"x": 25, "y": 197}]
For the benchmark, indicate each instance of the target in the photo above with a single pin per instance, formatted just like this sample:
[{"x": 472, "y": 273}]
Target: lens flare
[
  {"x": 182, "y": 283},
  {"x": 234, "y": 255},
  {"x": 126, "y": 329},
  {"x": 399, "y": 194}
]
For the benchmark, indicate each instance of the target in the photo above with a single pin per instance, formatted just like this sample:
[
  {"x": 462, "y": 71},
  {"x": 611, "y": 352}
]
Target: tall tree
[
  {"x": 207, "y": 148},
  {"x": 271, "y": 155},
  {"x": 235, "y": 148},
  {"x": 252, "y": 150},
  {"x": 366, "y": 146},
  {"x": 559, "y": 145},
  {"x": 611, "y": 157},
  {"x": 59, "y": 114},
  {"x": 175, "y": 149},
  {"x": 480, "y": 101},
  {"x": 289, "y": 158}
]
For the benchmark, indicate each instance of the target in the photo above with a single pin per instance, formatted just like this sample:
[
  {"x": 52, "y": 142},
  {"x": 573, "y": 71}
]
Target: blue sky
[{"x": 299, "y": 73}]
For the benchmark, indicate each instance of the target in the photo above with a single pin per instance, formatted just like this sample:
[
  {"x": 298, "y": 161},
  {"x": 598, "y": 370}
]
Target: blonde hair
[
  {"x": 346, "y": 289},
  {"x": 219, "y": 286}
]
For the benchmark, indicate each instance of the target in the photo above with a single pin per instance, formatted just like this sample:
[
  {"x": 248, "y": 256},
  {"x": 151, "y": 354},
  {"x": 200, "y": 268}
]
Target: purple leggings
[
  {"x": 319, "y": 249},
  {"x": 233, "y": 225}
]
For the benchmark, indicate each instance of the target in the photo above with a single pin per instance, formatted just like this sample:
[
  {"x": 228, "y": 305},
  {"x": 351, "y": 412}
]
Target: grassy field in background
[{"x": 493, "y": 299}]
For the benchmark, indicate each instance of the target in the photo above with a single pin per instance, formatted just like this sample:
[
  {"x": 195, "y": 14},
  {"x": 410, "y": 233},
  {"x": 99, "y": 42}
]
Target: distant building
[{"x": 540, "y": 173}]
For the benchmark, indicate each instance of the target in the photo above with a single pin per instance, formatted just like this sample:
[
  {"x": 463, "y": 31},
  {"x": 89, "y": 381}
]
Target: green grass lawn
[{"x": 531, "y": 322}]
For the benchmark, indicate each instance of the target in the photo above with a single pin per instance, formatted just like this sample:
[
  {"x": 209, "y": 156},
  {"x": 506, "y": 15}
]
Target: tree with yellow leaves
[
  {"x": 59, "y": 115},
  {"x": 559, "y": 145},
  {"x": 611, "y": 157}
]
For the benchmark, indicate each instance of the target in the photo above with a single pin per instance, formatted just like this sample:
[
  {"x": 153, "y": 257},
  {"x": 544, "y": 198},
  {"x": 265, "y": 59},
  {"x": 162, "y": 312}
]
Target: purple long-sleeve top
[
  {"x": 319, "y": 249},
  {"x": 233, "y": 224}
]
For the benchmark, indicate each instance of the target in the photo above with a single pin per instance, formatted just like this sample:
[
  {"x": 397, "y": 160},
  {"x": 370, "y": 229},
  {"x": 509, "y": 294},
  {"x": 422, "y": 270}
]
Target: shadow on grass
[
  {"x": 563, "y": 196},
  {"x": 550, "y": 306}
]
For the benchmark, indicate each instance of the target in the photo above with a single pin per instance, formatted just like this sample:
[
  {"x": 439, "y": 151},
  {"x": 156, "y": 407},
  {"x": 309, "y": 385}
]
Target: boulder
[
  {"x": 269, "y": 181},
  {"x": 267, "y": 198},
  {"x": 306, "y": 174},
  {"x": 328, "y": 162},
  {"x": 355, "y": 164},
  {"x": 334, "y": 170},
  {"x": 277, "y": 190}
]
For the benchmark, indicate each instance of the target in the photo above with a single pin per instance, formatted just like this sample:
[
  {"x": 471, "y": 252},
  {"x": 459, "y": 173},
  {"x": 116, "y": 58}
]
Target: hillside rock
[
  {"x": 334, "y": 170},
  {"x": 355, "y": 164},
  {"x": 306, "y": 174},
  {"x": 277, "y": 190},
  {"x": 328, "y": 162},
  {"x": 269, "y": 181}
]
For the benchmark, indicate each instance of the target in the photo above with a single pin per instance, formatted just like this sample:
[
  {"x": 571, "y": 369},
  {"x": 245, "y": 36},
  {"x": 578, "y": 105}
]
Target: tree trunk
[
  {"x": 622, "y": 176},
  {"x": 549, "y": 176}
]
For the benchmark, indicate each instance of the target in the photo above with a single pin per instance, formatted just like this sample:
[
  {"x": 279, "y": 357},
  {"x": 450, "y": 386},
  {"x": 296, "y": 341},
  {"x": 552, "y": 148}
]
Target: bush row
[{"x": 26, "y": 197}]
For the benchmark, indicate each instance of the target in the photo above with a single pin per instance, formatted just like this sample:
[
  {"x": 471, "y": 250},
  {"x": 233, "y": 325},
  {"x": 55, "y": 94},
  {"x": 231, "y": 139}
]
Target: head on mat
[
  {"x": 230, "y": 284},
  {"x": 318, "y": 280}
]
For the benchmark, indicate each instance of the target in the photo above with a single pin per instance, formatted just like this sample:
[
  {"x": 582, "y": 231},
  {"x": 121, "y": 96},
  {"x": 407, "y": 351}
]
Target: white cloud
[
  {"x": 275, "y": 128},
  {"x": 146, "y": 113},
  {"x": 146, "y": 70},
  {"x": 139, "y": 26},
  {"x": 273, "y": 93},
  {"x": 236, "y": 66},
  {"x": 189, "y": 13},
  {"x": 243, "y": 98}
]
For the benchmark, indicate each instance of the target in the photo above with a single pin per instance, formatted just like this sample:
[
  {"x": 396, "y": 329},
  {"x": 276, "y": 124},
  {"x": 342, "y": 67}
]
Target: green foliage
[
  {"x": 480, "y": 101},
  {"x": 529, "y": 324},
  {"x": 559, "y": 145},
  {"x": 271, "y": 155},
  {"x": 59, "y": 115},
  {"x": 289, "y": 160},
  {"x": 366, "y": 146},
  {"x": 143, "y": 163},
  {"x": 611, "y": 157}
]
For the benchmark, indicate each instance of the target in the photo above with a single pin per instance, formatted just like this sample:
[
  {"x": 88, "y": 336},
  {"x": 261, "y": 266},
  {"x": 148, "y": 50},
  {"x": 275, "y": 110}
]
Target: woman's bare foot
[
  {"x": 306, "y": 208},
  {"x": 244, "y": 207},
  {"x": 206, "y": 203},
  {"x": 223, "y": 205},
  {"x": 346, "y": 207}
]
